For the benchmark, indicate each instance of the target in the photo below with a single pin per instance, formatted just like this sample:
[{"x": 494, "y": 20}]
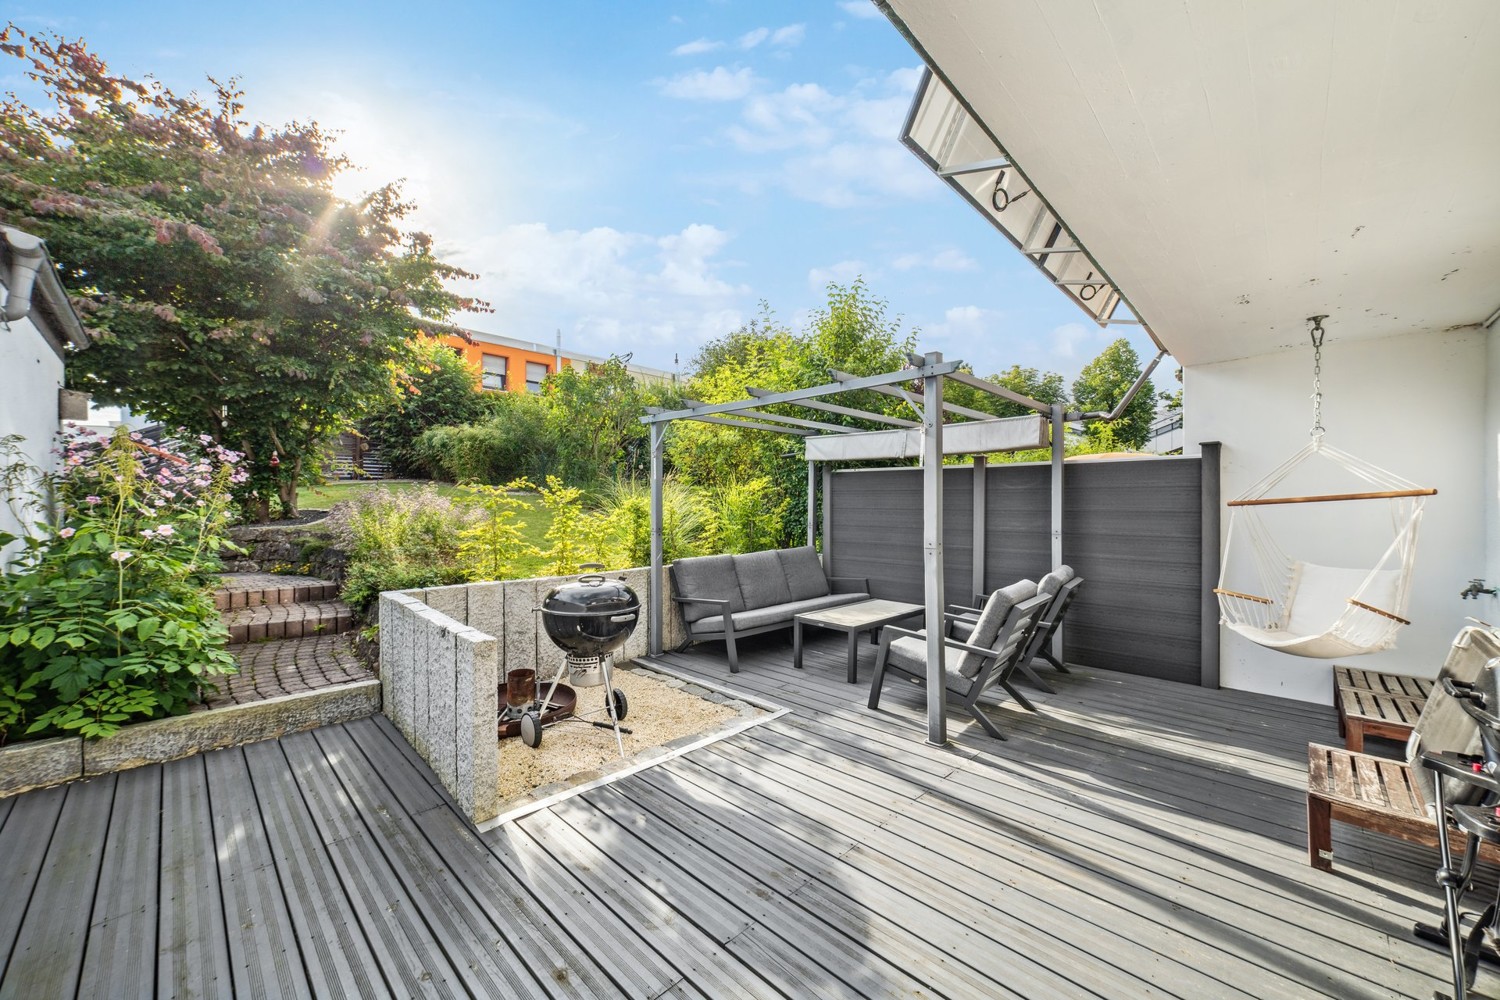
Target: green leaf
[
  {"x": 19, "y": 635},
  {"x": 42, "y": 637},
  {"x": 147, "y": 629}
]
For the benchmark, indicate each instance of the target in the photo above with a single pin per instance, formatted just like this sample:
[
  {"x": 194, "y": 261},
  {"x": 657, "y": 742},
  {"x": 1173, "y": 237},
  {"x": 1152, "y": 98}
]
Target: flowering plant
[{"x": 107, "y": 614}]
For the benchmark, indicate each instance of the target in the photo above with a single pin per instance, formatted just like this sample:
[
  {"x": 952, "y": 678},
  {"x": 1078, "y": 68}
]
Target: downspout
[{"x": 26, "y": 256}]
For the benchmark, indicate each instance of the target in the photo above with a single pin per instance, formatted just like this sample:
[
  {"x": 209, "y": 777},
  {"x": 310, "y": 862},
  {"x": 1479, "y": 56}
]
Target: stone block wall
[{"x": 444, "y": 651}]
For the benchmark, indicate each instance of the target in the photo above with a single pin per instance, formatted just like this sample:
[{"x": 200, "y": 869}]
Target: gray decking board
[
  {"x": 48, "y": 953},
  {"x": 1134, "y": 838},
  {"x": 119, "y": 959},
  {"x": 192, "y": 945}
]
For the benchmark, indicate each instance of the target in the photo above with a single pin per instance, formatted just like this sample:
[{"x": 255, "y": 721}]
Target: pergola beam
[
  {"x": 891, "y": 390},
  {"x": 848, "y": 411},
  {"x": 731, "y": 422},
  {"x": 777, "y": 418},
  {"x": 984, "y": 385},
  {"x": 852, "y": 384}
]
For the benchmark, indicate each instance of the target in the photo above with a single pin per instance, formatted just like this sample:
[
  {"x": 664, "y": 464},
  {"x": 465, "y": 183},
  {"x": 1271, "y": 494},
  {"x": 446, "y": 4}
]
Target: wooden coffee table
[{"x": 852, "y": 620}]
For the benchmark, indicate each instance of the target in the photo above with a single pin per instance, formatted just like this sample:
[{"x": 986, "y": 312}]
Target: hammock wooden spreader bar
[
  {"x": 1378, "y": 611},
  {"x": 1332, "y": 497},
  {"x": 1247, "y": 597}
]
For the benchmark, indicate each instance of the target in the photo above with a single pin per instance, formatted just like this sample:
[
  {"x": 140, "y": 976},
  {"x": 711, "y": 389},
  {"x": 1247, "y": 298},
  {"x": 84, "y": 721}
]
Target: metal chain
[{"x": 1317, "y": 393}]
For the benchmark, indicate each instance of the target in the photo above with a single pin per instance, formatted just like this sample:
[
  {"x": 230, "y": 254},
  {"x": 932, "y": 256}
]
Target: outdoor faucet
[{"x": 1475, "y": 588}]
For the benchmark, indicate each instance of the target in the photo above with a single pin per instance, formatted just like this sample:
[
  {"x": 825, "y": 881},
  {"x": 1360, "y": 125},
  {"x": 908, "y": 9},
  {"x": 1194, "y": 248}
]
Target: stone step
[
  {"x": 288, "y": 621},
  {"x": 253, "y": 590}
]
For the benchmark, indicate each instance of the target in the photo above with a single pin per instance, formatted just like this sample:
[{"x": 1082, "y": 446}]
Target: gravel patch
[{"x": 661, "y": 712}]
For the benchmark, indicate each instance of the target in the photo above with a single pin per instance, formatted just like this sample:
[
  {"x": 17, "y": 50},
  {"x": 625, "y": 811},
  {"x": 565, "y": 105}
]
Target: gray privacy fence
[
  {"x": 1136, "y": 530},
  {"x": 444, "y": 651}
]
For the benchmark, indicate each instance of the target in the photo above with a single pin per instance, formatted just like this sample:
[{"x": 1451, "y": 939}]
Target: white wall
[
  {"x": 1416, "y": 405},
  {"x": 1491, "y": 447},
  {"x": 30, "y": 375}
]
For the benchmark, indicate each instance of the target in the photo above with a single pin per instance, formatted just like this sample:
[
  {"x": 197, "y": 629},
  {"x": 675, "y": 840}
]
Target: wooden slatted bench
[
  {"x": 1371, "y": 792},
  {"x": 1373, "y": 703}
]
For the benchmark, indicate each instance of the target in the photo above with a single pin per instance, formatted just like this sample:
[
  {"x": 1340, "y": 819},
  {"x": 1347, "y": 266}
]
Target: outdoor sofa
[{"x": 725, "y": 598}]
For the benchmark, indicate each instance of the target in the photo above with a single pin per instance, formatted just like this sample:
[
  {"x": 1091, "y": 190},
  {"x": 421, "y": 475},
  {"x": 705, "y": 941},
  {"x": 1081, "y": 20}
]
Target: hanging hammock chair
[{"x": 1306, "y": 609}]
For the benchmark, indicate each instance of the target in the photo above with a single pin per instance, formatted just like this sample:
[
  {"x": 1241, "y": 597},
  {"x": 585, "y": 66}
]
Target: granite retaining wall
[{"x": 444, "y": 651}]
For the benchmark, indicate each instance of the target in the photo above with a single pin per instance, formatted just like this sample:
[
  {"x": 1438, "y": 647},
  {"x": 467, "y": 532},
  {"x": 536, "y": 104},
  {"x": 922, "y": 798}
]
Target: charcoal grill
[{"x": 589, "y": 620}]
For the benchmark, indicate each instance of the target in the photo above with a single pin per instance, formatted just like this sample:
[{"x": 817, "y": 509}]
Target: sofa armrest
[
  {"x": 853, "y": 584},
  {"x": 721, "y": 602}
]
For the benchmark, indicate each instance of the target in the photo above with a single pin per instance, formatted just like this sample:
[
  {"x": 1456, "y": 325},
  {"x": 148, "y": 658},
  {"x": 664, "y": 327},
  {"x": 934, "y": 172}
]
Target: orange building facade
[{"x": 507, "y": 365}]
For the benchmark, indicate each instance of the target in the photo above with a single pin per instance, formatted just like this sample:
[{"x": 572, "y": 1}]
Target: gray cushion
[
  {"x": 911, "y": 655},
  {"x": 804, "y": 573},
  {"x": 707, "y": 576},
  {"x": 961, "y": 630},
  {"x": 991, "y": 617},
  {"x": 1066, "y": 572},
  {"x": 1051, "y": 584},
  {"x": 781, "y": 613},
  {"x": 762, "y": 580}
]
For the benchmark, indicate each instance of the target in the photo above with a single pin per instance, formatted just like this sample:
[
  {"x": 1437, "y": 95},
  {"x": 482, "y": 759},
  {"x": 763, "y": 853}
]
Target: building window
[
  {"x": 535, "y": 372},
  {"x": 493, "y": 376}
]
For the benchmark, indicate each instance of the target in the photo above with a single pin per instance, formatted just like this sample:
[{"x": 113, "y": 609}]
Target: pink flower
[
  {"x": 91, "y": 500},
  {"x": 66, "y": 533},
  {"x": 165, "y": 531},
  {"x": 120, "y": 555}
]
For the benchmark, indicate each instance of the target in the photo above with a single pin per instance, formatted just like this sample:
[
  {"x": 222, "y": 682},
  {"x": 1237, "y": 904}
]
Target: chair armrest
[
  {"x": 949, "y": 616},
  {"x": 860, "y": 583},
  {"x": 961, "y": 609},
  {"x": 891, "y": 630}
]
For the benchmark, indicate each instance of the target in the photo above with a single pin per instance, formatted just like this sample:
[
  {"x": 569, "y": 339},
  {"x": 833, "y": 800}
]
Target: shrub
[
  {"x": 434, "y": 388},
  {"x": 627, "y": 506},
  {"x": 494, "y": 541},
  {"x": 745, "y": 516},
  {"x": 397, "y": 540},
  {"x": 108, "y": 615},
  {"x": 514, "y": 442}
]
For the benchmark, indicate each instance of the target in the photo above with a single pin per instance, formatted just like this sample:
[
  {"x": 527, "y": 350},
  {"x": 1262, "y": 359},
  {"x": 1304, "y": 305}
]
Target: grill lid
[{"x": 590, "y": 596}]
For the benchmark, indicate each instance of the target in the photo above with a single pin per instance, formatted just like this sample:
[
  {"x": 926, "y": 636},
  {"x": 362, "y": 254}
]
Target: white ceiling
[{"x": 1237, "y": 167}]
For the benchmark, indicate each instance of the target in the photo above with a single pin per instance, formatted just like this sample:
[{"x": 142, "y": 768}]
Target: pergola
[{"x": 929, "y": 439}]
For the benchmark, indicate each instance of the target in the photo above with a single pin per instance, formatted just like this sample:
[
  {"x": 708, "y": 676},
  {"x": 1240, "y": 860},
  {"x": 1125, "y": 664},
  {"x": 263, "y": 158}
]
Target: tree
[
  {"x": 233, "y": 294},
  {"x": 1103, "y": 383},
  {"x": 434, "y": 387}
]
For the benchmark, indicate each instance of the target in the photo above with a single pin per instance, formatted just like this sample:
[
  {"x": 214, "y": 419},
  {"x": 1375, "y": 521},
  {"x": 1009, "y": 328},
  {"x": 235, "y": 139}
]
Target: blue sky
[{"x": 638, "y": 175}]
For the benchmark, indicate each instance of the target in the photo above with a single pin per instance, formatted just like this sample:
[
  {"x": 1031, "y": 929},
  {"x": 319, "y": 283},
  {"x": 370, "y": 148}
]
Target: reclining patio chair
[
  {"x": 1060, "y": 587},
  {"x": 999, "y": 638}
]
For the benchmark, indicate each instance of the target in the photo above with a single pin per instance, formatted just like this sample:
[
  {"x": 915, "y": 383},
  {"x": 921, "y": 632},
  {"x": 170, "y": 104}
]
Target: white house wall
[
  {"x": 1416, "y": 405},
  {"x": 30, "y": 374}
]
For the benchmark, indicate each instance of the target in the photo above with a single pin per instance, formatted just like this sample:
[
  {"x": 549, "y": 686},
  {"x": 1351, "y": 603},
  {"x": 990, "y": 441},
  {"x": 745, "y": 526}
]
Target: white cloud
[
  {"x": 840, "y": 148},
  {"x": 1064, "y": 341},
  {"x": 950, "y": 260},
  {"x": 607, "y": 290},
  {"x": 864, "y": 10},
  {"x": 718, "y": 84},
  {"x": 697, "y": 47},
  {"x": 843, "y": 272},
  {"x": 964, "y": 326},
  {"x": 751, "y": 39},
  {"x": 788, "y": 36}
]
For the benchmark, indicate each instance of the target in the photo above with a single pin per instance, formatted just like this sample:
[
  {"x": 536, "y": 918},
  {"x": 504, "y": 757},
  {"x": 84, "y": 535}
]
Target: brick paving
[
  {"x": 289, "y": 666},
  {"x": 288, "y": 621}
]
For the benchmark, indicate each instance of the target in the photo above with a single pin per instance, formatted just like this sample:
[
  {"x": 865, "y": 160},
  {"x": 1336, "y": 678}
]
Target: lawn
[{"x": 537, "y": 520}]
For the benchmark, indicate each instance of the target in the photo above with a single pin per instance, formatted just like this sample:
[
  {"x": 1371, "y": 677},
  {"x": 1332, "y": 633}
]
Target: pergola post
[
  {"x": 981, "y": 541},
  {"x": 1059, "y": 431},
  {"x": 932, "y": 552},
  {"x": 812, "y": 503},
  {"x": 827, "y": 532},
  {"x": 655, "y": 587}
]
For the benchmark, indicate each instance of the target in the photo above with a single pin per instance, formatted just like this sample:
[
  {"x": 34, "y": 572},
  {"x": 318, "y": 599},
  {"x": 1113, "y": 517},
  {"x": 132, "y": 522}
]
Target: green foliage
[
  {"x": 627, "y": 506},
  {"x": 1103, "y": 383},
  {"x": 494, "y": 542},
  {"x": 594, "y": 422},
  {"x": 576, "y": 535},
  {"x": 434, "y": 387},
  {"x": 514, "y": 442},
  {"x": 232, "y": 293},
  {"x": 397, "y": 540},
  {"x": 108, "y": 616},
  {"x": 745, "y": 517}
]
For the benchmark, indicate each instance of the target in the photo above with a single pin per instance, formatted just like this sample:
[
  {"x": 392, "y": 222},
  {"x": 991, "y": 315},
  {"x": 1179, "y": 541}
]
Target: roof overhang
[
  {"x": 1231, "y": 169},
  {"x": 49, "y": 302}
]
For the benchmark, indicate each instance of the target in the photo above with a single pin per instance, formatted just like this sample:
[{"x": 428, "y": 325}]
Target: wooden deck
[{"x": 1134, "y": 839}]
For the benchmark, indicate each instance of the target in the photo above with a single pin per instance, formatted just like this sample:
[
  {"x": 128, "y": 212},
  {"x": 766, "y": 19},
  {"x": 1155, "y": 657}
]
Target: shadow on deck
[{"x": 1135, "y": 838}]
